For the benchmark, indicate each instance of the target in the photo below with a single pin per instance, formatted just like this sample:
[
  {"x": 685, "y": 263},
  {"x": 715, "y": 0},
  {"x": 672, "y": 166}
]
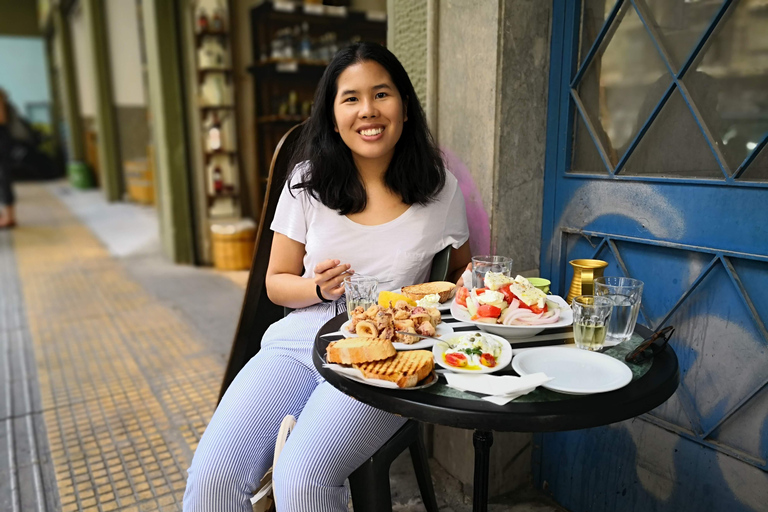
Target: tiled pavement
[
  {"x": 125, "y": 386},
  {"x": 111, "y": 367}
]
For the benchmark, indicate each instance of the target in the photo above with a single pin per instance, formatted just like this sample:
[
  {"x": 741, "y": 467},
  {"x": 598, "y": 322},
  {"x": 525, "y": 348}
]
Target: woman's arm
[
  {"x": 286, "y": 287},
  {"x": 458, "y": 262}
]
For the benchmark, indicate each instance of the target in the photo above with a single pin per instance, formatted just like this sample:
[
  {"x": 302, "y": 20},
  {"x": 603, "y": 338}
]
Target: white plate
[
  {"x": 574, "y": 371},
  {"x": 502, "y": 362},
  {"x": 517, "y": 331},
  {"x": 355, "y": 375},
  {"x": 441, "y": 331}
]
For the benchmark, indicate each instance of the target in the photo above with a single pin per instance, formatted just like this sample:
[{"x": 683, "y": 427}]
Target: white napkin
[{"x": 501, "y": 388}]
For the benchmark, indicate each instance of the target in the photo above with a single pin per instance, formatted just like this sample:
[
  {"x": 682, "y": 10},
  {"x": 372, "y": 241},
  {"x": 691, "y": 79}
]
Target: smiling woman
[{"x": 369, "y": 194}]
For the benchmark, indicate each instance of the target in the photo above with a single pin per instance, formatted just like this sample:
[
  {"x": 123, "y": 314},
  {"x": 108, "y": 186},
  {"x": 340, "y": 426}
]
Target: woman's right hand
[{"x": 329, "y": 276}]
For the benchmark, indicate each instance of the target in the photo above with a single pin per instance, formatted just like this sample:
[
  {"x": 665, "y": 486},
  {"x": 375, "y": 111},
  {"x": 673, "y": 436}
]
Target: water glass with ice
[
  {"x": 625, "y": 293},
  {"x": 360, "y": 290},
  {"x": 590, "y": 320},
  {"x": 488, "y": 263}
]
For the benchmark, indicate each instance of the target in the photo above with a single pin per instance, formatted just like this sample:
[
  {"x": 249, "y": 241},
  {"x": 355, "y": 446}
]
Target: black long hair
[{"x": 416, "y": 171}]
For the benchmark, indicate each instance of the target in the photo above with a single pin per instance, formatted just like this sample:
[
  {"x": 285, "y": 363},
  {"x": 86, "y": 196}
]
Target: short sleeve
[
  {"x": 290, "y": 215},
  {"x": 456, "y": 231}
]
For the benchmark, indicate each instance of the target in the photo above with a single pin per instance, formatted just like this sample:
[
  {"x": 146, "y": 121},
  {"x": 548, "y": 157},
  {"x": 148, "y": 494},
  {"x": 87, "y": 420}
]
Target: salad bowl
[{"x": 517, "y": 331}]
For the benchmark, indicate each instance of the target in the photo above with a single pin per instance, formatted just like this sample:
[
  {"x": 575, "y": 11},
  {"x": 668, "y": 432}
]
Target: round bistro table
[{"x": 557, "y": 412}]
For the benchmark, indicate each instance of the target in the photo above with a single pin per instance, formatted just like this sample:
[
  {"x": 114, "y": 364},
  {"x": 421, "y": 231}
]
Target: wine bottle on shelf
[
  {"x": 214, "y": 133},
  {"x": 217, "y": 22},
  {"x": 218, "y": 180},
  {"x": 202, "y": 20}
]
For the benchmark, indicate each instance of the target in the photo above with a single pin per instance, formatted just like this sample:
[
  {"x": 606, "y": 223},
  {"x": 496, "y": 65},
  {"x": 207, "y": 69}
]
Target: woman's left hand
[{"x": 460, "y": 282}]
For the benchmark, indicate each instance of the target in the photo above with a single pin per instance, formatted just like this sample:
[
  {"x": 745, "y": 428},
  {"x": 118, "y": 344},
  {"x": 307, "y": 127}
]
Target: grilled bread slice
[
  {"x": 444, "y": 289},
  {"x": 359, "y": 350},
  {"x": 405, "y": 369}
]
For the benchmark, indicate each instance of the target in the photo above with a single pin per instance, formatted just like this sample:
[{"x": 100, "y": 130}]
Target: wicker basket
[
  {"x": 233, "y": 245},
  {"x": 140, "y": 185}
]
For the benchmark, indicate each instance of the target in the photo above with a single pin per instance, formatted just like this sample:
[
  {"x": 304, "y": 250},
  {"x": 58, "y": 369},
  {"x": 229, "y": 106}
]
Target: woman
[
  {"x": 371, "y": 195},
  {"x": 7, "y": 198}
]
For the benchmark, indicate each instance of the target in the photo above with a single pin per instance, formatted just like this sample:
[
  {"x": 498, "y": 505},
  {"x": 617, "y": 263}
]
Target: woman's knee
[{"x": 301, "y": 482}]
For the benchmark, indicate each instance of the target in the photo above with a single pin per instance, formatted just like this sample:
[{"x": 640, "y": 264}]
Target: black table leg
[{"x": 482, "y": 440}]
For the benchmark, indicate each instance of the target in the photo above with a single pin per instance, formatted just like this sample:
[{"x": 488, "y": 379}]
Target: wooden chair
[{"x": 369, "y": 483}]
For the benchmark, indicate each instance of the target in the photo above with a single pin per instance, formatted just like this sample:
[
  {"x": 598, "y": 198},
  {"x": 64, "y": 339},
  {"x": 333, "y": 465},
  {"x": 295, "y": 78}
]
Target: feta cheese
[{"x": 495, "y": 280}]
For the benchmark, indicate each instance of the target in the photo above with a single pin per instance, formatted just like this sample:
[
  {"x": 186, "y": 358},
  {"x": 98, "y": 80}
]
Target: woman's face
[{"x": 368, "y": 113}]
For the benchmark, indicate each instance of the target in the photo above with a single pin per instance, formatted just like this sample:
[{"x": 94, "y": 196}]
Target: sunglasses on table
[{"x": 651, "y": 346}]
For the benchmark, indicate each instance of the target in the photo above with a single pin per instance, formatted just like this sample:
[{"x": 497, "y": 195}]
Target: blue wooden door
[{"x": 657, "y": 163}]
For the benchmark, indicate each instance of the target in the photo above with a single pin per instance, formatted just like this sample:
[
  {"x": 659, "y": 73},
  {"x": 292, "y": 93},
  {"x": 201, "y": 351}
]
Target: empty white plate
[{"x": 574, "y": 371}]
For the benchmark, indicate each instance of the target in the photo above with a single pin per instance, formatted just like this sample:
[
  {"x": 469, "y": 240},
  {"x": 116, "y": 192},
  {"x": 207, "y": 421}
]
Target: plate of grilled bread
[{"x": 374, "y": 361}]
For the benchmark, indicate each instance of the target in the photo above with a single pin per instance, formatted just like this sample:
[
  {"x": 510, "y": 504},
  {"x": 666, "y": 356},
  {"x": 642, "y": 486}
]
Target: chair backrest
[{"x": 258, "y": 312}]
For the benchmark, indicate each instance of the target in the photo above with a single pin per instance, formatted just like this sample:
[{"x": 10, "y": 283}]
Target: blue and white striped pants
[{"x": 334, "y": 434}]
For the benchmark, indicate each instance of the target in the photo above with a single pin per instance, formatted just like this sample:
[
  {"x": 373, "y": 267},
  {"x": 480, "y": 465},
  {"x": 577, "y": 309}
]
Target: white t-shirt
[{"x": 399, "y": 252}]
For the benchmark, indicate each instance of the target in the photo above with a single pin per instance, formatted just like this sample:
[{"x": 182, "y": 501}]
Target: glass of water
[
  {"x": 590, "y": 320},
  {"x": 488, "y": 263},
  {"x": 625, "y": 293},
  {"x": 360, "y": 290}
]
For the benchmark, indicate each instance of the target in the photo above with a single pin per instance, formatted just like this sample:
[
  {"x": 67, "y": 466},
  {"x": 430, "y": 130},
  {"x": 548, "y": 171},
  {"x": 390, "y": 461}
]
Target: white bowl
[{"x": 517, "y": 331}]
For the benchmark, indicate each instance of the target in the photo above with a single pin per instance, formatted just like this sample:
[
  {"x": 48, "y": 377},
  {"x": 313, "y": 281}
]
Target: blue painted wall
[{"x": 24, "y": 72}]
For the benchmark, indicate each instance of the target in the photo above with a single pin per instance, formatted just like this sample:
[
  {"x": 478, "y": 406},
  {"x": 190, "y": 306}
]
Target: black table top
[{"x": 571, "y": 413}]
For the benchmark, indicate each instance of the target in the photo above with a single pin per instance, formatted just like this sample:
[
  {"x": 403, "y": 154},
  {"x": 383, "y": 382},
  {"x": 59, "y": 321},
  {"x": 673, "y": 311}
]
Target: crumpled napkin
[{"x": 501, "y": 388}]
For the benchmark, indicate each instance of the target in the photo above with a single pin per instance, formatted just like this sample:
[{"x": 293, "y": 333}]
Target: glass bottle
[
  {"x": 218, "y": 180},
  {"x": 202, "y": 20}
]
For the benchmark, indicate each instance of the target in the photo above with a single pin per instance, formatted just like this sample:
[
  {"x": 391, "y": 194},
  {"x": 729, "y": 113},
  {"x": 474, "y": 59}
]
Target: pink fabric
[{"x": 477, "y": 217}]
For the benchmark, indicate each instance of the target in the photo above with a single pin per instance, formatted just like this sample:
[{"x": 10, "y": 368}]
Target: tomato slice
[
  {"x": 455, "y": 359},
  {"x": 488, "y": 311},
  {"x": 488, "y": 360},
  {"x": 461, "y": 296},
  {"x": 508, "y": 295}
]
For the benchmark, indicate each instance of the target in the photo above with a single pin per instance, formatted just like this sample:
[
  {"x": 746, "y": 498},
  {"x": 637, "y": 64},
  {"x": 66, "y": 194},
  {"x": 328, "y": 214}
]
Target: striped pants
[{"x": 334, "y": 434}]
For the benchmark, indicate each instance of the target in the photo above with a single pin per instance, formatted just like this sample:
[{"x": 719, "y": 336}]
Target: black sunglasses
[{"x": 650, "y": 347}]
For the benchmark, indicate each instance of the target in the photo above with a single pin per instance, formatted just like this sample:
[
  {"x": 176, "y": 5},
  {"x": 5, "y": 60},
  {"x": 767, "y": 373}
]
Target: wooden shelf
[
  {"x": 280, "y": 119},
  {"x": 208, "y": 155},
  {"x": 207, "y": 71},
  {"x": 216, "y": 107},
  {"x": 288, "y": 65},
  {"x": 210, "y": 33}
]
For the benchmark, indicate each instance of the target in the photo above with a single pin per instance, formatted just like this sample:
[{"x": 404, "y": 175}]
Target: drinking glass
[
  {"x": 590, "y": 319},
  {"x": 360, "y": 290},
  {"x": 487, "y": 263},
  {"x": 625, "y": 293}
]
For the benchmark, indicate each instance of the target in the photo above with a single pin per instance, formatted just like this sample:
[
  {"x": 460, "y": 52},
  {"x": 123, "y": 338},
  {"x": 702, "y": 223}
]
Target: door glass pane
[
  {"x": 594, "y": 14},
  {"x": 623, "y": 84},
  {"x": 681, "y": 23},
  {"x": 729, "y": 83},
  {"x": 673, "y": 146},
  {"x": 758, "y": 169},
  {"x": 585, "y": 159}
]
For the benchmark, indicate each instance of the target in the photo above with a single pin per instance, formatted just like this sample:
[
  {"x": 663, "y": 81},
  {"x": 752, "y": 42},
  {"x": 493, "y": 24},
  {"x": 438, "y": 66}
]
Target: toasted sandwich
[
  {"x": 405, "y": 369},
  {"x": 359, "y": 350}
]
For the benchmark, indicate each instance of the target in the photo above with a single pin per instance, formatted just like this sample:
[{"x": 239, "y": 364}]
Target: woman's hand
[
  {"x": 460, "y": 282},
  {"x": 329, "y": 276}
]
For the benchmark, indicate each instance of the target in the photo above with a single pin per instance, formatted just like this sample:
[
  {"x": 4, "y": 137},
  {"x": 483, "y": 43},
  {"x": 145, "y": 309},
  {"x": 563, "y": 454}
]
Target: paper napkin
[{"x": 500, "y": 388}]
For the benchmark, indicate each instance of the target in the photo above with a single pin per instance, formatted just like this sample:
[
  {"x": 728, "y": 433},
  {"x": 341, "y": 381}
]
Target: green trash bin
[{"x": 80, "y": 175}]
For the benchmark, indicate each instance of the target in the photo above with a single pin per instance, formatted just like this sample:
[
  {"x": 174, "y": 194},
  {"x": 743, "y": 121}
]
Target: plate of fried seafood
[{"x": 381, "y": 322}]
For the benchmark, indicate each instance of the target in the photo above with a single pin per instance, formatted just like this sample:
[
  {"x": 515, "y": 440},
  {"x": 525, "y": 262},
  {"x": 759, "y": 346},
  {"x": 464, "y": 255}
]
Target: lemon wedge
[{"x": 385, "y": 298}]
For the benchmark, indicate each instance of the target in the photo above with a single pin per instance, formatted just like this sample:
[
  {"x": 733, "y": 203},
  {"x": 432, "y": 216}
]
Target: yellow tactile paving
[{"x": 127, "y": 388}]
